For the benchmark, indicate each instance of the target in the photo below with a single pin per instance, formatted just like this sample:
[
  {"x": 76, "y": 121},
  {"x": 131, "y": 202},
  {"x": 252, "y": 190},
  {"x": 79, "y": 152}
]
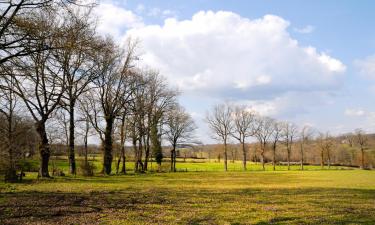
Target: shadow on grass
[{"x": 188, "y": 206}]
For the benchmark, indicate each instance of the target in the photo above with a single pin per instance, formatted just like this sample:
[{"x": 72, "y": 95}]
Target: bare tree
[
  {"x": 265, "y": 126},
  {"x": 111, "y": 92},
  {"x": 17, "y": 37},
  {"x": 160, "y": 100},
  {"x": 350, "y": 138},
  {"x": 325, "y": 143},
  {"x": 84, "y": 125},
  {"x": 15, "y": 28},
  {"x": 243, "y": 127},
  {"x": 276, "y": 135},
  {"x": 305, "y": 135},
  {"x": 8, "y": 110},
  {"x": 179, "y": 129},
  {"x": 75, "y": 57},
  {"x": 289, "y": 133},
  {"x": 39, "y": 82},
  {"x": 123, "y": 129},
  {"x": 220, "y": 122},
  {"x": 361, "y": 139}
]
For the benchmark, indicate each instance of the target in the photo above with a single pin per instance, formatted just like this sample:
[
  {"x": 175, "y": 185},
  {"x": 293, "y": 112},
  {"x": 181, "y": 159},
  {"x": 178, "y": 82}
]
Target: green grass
[
  {"x": 213, "y": 197},
  {"x": 191, "y": 165}
]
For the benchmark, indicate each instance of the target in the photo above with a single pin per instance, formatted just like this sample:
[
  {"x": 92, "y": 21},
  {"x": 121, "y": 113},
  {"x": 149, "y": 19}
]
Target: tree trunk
[
  {"x": 322, "y": 159},
  {"x": 122, "y": 142},
  {"x": 10, "y": 140},
  {"x": 288, "y": 156},
  {"x": 262, "y": 155},
  {"x": 85, "y": 140},
  {"x": 123, "y": 158},
  {"x": 86, "y": 150},
  {"x": 139, "y": 160},
  {"x": 244, "y": 155},
  {"x": 225, "y": 156},
  {"x": 72, "y": 161},
  {"x": 274, "y": 156},
  {"x": 107, "y": 165},
  {"x": 135, "y": 154},
  {"x": 147, "y": 152},
  {"x": 11, "y": 173},
  {"x": 174, "y": 160},
  {"x": 118, "y": 164},
  {"x": 302, "y": 157},
  {"x": 329, "y": 158},
  {"x": 44, "y": 149},
  {"x": 362, "y": 158}
]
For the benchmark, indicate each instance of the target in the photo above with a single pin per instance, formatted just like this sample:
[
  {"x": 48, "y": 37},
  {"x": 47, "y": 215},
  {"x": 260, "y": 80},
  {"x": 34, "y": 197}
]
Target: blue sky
[{"x": 308, "y": 62}]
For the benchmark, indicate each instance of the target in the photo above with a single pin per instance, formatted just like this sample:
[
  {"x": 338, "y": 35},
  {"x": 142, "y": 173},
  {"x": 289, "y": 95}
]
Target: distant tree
[
  {"x": 350, "y": 138},
  {"x": 265, "y": 127},
  {"x": 325, "y": 143},
  {"x": 276, "y": 135},
  {"x": 289, "y": 134},
  {"x": 220, "y": 122},
  {"x": 362, "y": 140},
  {"x": 243, "y": 127},
  {"x": 305, "y": 135},
  {"x": 179, "y": 130},
  {"x": 157, "y": 99}
]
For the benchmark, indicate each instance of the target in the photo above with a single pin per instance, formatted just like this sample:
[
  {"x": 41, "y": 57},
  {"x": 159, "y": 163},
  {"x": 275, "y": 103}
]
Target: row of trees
[
  {"x": 240, "y": 123},
  {"x": 56, "y": 70}
]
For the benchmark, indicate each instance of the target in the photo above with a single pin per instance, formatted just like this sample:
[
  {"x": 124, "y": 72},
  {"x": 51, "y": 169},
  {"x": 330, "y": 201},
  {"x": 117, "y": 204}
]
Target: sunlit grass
[{"x": 214, "y": 197}]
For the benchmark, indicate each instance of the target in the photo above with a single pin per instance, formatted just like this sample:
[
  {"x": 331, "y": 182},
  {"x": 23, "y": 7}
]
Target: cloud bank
[{"x": 221, "y": 53}]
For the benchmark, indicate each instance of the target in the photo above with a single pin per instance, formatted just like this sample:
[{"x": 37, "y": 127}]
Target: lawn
[{"x": 212, "y": 197}]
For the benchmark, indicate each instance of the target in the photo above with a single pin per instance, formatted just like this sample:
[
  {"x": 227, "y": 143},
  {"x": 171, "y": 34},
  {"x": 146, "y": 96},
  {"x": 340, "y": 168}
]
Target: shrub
[
  {"x": 87, "y": 169},
  {"x": 28, "y": 166}
]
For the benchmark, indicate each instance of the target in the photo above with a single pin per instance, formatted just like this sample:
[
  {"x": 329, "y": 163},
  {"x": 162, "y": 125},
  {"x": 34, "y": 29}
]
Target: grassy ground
[
  {"x": 252, "y": 197},
  {"x": 190, "y": 165}
]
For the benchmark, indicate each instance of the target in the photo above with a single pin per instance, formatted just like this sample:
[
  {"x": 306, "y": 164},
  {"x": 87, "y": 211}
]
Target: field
[{"x": 208, "y": 196}]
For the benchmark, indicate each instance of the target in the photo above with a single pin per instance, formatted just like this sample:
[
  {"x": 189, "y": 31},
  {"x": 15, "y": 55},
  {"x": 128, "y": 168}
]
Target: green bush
[{"x": 28, "y": 166}]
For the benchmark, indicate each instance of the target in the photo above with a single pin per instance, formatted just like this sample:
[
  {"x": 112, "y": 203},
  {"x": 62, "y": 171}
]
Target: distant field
[
  {"x": 252, "y": 197},
  {"x": 191, "y": 165}
]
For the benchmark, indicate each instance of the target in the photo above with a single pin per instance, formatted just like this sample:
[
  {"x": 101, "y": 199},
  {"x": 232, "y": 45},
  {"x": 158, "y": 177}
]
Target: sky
[{"x": 306, "y": 62}]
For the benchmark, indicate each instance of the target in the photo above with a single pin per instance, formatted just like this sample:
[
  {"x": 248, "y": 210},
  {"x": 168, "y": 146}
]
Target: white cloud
[
  {"x": 221, "y": 52},
  {"x": 366, "y": 66},
  {"x": 305, "y": 30},
  {"x": 114, "y": 20},
  {"x": 157, "y": 12}
]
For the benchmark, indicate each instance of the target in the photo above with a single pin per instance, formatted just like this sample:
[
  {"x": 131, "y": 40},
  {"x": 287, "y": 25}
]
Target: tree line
[
  {"x": 60, "y": 78},
  {"x": 240, "y": 123}
]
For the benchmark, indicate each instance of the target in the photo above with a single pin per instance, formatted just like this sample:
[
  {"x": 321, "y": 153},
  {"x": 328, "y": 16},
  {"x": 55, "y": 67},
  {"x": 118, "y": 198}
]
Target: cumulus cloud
[
  {"x": 366, "y": 66},
  {"x": 114, "y": 20},
  {"x": 222, "y": 53}
]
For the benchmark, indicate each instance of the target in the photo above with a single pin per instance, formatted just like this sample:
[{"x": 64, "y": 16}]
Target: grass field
[
  {"x": 191, "y": 165},
  {"x": 212, "y": 197}
]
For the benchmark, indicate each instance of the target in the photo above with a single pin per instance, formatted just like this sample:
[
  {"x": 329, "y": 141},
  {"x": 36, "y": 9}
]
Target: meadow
[{"x": 202, "y": 195}]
